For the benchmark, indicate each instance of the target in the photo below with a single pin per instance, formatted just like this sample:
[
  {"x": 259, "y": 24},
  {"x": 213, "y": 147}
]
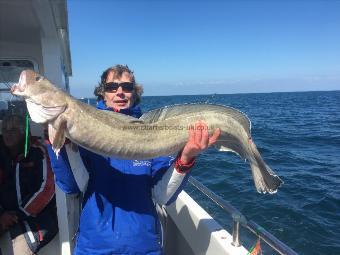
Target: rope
[
  {"x": 256, "y": 248},
  {"x": 26, "y": 134}
]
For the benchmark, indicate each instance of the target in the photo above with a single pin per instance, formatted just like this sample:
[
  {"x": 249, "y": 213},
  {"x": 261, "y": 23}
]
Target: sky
[{"x": 184, "y": 47}]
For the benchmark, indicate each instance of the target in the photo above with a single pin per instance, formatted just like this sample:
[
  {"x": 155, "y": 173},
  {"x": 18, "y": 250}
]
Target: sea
[{"x": 298, "y": 136}]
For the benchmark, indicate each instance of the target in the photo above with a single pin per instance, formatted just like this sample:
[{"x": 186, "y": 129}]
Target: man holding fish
[
  {"x": 124, "y": 155},
  {"x": 119, "y": 215}
]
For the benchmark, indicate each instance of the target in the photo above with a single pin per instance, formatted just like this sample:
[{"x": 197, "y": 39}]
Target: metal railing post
[{"x": 236, "y": 233}]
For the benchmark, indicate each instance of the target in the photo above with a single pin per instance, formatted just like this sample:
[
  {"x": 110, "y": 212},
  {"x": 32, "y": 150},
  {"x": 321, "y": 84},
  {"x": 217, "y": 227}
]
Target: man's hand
[
  {"x": 199, "y": 140},
  {"x": 7, "y": 219}
]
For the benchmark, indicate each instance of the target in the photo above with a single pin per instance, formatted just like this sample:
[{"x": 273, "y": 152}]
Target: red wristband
[{"x": 181, "y": 167}]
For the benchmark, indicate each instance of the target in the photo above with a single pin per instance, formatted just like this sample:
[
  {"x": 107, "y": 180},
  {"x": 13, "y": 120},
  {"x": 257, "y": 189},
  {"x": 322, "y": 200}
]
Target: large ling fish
[{"x": 159, "y": 132}]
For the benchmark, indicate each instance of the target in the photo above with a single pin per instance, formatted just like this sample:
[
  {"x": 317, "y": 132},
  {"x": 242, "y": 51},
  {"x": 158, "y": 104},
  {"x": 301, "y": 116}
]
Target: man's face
[
  {"x": 11, "y": 134},
  {"x": 119, "y": 98}
]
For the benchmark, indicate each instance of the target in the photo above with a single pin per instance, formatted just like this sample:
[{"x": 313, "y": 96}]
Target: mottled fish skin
[{"x": 159, "y": 132}]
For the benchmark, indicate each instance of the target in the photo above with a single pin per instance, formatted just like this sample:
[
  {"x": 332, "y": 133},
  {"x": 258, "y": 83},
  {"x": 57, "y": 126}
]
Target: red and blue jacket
[
  {"x": 118, "y": 211},
  {"x": 27, "y": 188}
]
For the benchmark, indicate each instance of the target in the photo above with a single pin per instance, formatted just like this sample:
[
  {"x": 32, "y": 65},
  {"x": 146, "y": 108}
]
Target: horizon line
[{"x": 239, "y": 93}]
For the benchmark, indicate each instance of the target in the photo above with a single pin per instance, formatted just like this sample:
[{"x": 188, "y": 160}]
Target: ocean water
[{"x": 298, "y": 135}]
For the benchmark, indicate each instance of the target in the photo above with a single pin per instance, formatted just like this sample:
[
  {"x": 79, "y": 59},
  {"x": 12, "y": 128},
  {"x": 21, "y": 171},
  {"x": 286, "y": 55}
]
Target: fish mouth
[{"x": 19, "y": 88}]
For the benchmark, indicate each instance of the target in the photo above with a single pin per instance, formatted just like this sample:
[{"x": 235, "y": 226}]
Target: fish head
[
  {"x": 44, "y": 100},
  {"x": 29, "y": 85}
]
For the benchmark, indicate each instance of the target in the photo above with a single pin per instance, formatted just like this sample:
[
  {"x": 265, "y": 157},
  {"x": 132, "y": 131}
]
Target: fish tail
[{"x": 264, "y": 178}]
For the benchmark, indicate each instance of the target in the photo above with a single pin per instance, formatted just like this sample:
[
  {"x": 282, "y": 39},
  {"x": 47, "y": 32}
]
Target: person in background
[
  {"x": 118, "y": 210},
  {"x": 28, "y": 218}
]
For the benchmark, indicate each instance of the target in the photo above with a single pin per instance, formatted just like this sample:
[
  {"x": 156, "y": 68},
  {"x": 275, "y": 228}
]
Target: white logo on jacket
[{"x": 141, "y": 163}]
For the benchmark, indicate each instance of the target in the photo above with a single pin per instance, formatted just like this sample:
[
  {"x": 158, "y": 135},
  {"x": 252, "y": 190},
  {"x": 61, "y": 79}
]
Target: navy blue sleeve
[{"x": 62, "y": 170}]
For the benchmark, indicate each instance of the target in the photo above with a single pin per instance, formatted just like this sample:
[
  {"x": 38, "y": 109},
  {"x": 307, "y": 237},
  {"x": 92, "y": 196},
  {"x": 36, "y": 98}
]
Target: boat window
[
  {"x": 9, "y": 74},
  {"x": 11, "y": 69}
]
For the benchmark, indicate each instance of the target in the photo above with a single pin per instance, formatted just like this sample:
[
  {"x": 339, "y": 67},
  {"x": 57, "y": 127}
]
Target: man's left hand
[{"x": 199, "y": 140}]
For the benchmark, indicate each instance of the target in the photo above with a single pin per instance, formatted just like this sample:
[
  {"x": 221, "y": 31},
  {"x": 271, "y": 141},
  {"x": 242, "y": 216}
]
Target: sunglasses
[{"x": 112, "y": 87}]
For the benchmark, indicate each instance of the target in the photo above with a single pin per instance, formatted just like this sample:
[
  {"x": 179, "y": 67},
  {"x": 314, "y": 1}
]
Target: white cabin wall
[
  {"x": 16, "y": 50},
  {"x": 52, "y": 61},
  {"x": 50, "y": 43},
  {"x": 45, "y": 53},
  {"x": 40, "y": 42}
]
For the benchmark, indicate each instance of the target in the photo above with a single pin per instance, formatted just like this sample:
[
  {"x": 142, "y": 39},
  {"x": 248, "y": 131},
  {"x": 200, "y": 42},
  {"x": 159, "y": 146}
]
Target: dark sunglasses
[{"x": 113, "y": 86}]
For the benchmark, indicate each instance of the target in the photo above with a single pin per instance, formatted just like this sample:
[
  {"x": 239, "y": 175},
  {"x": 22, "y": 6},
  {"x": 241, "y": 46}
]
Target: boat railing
[{"x": 240, "y": 220}]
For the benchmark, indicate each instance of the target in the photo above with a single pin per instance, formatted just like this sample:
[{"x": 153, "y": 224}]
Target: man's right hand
[{"x": 7, "y": 219}]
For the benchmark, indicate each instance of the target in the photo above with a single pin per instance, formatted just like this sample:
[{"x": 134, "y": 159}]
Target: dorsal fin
[{"x": 171, "y": 111}]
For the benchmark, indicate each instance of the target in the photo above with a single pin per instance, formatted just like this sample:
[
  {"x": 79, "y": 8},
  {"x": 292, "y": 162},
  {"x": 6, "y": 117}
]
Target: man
[
  {"x": 118, "y": 211},
  {"x": 27, "y": 204}
]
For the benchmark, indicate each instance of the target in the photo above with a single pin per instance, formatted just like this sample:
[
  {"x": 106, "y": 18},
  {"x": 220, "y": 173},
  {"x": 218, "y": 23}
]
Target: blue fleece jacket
[{"x": 118, "y": 214}]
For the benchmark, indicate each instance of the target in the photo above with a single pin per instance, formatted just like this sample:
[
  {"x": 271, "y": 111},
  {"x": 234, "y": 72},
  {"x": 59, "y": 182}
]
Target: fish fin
[
  {"x": 264, "y": 178},
  {"x": 41, "y": 114},
  {"x": 223, "y": 148},
  {"x": 57, "y": 136},
  {"x": 172, "y": 111},
  {"x": 226, "y": 149},
  {"x": 51, "y": 133},
  {"x": 228, "y": 143}
]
